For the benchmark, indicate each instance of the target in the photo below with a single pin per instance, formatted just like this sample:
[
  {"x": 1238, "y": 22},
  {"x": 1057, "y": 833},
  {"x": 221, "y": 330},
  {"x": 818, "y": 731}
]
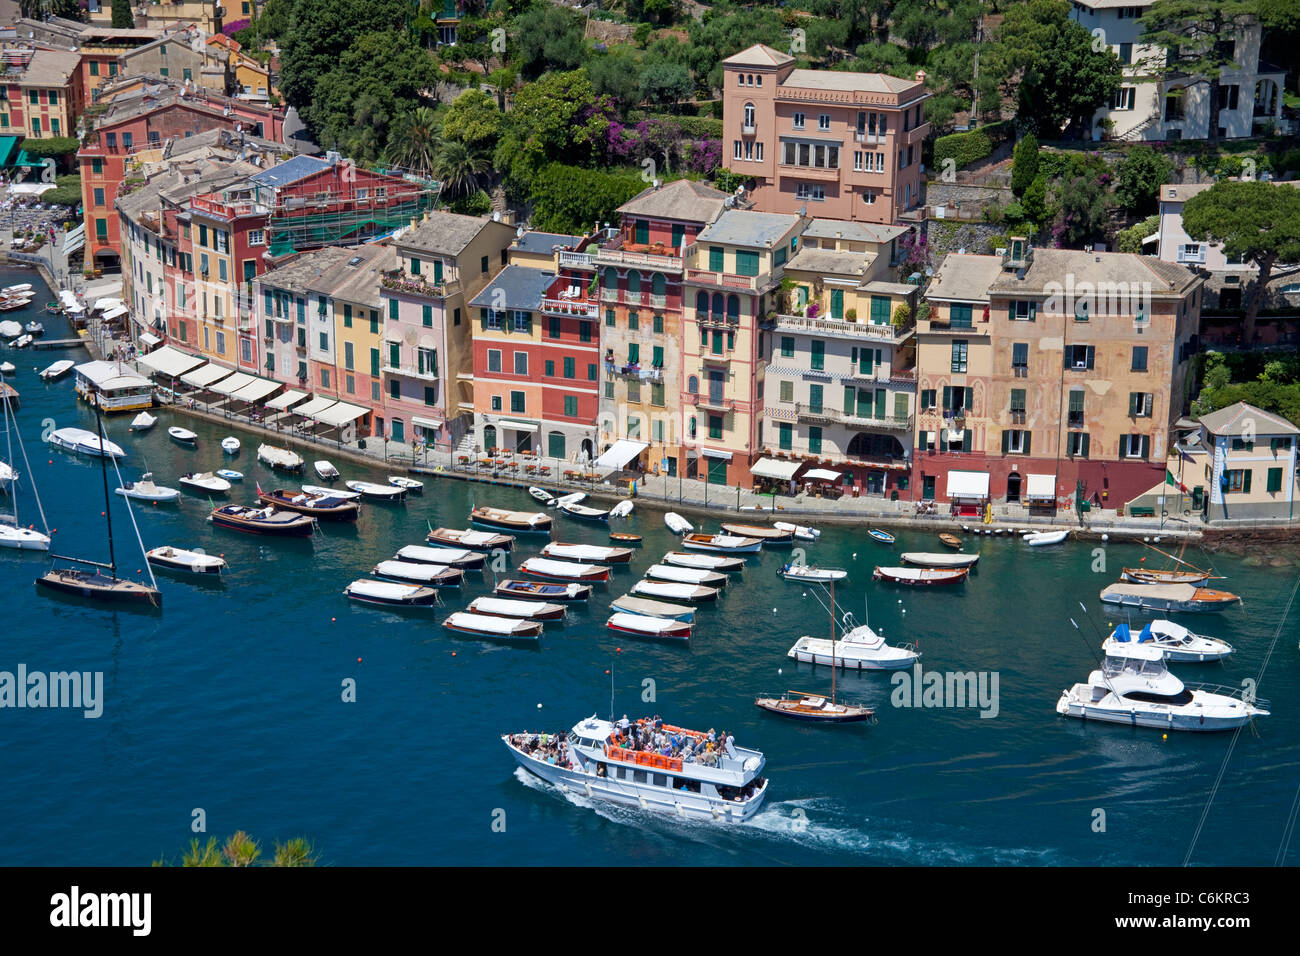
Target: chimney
[{"x": 920, "y": 77}]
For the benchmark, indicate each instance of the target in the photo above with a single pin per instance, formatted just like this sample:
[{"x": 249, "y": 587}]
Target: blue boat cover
[
  {"x": 1122, "y": 634},
  {"x": 1146, "y": 634}
]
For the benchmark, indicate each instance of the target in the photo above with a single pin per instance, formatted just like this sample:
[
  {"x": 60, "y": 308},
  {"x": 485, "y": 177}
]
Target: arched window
[
  {"x": 733, "y": 308},
  {"x": 717, "y": 305},
  {"x": 749, "y": 79},
  {"x": 740, "y": 79},
  {"x": 749, "y": 115},
  {"x": 611, "y": 278},
  {"x": 701, "y": 301},
  {"x": 633, "y": 281},
  {"x": 693, "y": 385},
  {"x": 658, "y": 284},
  {"x": 489, "y": 437},
  {"x": 758, "y": 78}
]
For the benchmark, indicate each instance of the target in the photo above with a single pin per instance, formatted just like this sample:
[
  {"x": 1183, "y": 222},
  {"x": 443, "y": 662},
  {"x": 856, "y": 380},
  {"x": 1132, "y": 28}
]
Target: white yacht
[
  {"x": 596, "y": 760},
  {"x": 859, "y": 648},
  {"x": 1178, "y": 643},
  {"x": 1136, "y": 688},
  {"x": 85, "y": 443}
]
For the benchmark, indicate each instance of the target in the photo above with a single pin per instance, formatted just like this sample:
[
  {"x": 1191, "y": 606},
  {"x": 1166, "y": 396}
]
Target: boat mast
[
  {"x": 108, "y": 510},
  {"x": 833, "y": 667},
  {"x": 9, "y": 456}
]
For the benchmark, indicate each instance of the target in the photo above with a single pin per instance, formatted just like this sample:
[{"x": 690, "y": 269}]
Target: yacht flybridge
[
  {"x": 648, "y": 764},
  {"x": 1135, "y": 687}
]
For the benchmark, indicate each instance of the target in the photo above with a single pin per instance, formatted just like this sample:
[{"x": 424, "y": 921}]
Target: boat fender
[
  {"x": 587, "y": 787},
  {"x": 641, "y": 799}
]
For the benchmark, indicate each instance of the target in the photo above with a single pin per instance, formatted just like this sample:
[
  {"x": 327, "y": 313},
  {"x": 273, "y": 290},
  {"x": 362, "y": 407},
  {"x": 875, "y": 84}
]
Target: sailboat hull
[
  {"x": 852, "y": 716},
  {"x": 100, "y": 587}
]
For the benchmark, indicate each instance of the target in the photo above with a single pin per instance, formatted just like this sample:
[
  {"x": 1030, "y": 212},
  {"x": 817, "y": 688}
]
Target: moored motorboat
[
  {"x": 325, "y": 471},
  {"x": 489, "y": 625},
  {"x": 520, "y": 522},
  {"x": 810, "y": 573},
  {"x": 621, "y": 510},
  {"x": 332, "y": 492},
  {"x": 472, "y": 540},
  {"x": 187, "y": 562},
  {"x": 325, "y": 507},
  {"x": 230, "y": 445},
  {"x": 34, "y": 329},
  {"x": 448, "y": 557},
  {"x": 884, "y": 537},
  {"x": 410, "y": 485},
  {"x": 85, "y": 443},
  {"x": 143, "y": 422},
  {"x": 229, "y": 474},
  {"x": 722, "y": 543},
  {"x": 642, "y": 625},
  {"x": 511, "y": 607},
  {"x": 392, "y": 593},
  {"x": 146, "y": 490},
  {"x": 587, "y": 552},
  {"x": 278, "y": 458},
  {"x": 267, "y": 521},
  {"x": 540, "y": 589},
  {"x": 1167, "y": 597},
  {"x": 799, "y": 531},
  {"x": 936, "y": 559},
  {"x": 430, "y": 575},
  {"x": 674, "y": 591},
  {"x": 920, "y": 577},
  {"x": 709, "y": 562},
  {"x": 59, "y": 369},
  {"x": 182, "y": 435},
  {"x": 859, "y": 648},
  {"x": 583, "y": 512},
  {"x": 7, "y": 368},
  {"x": 632, "y": 604},
  {"x": 951, "y": 540},
  {"x": 677, "y": 524},
  {"x": 764, "y": 533},
  {"x": 1178, "y": 643},
  {"x": 22, "y": 342},
  {"x": 375, "y": 492},
  {"x": 204, "y": 481},
  {"x": 670, "y": 572},
  {"x": 564, "y": 570}
]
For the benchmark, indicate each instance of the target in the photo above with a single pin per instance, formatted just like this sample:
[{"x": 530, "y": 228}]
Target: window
[
  {"x": 426, "y": 316},
  {"x": 1078, "y": 356},
  {"x": 798, "y": 121},
  {"x": 521, "y": 363},
  {"x": 657, "y": 357},
  {"x": 716, "y": 258},
  {"x": 1123, "y": 98},
  {"x": 1020, "y": 359},
  {"x": 483, "y": 264},
  {"x": 815, "y": 398},
  {"x": 1139, "y": 404},
  {"x": 517, "y": 401},
  {"x": 569, "y": 370},
  {"x": 818, "y": 355},
  {"x": 1022, "y": 311},
  {"x": 786, "y": 390},
  {"x": 609, "y": 390},
  {"x": 749, "y": 117},
  {"x": 959, "y": 355},
  {"x": 609, "y": 318},
  {"x": 1015, "y": 442},
  {"x": 94, "y": 68},
  {"x": 494, "y": 360},
  {"x": 496, "y": 403},
  {"x": 1235, "y": 480},
  {"x": 959, "y": 315},
  {"x": 1018, "y": 403},
  {"x": 1139, "y": 358},
  {"x": 1076, "y": 445},
  {"x": 659, "y": 325},
  {"x": 1274, "y": 480},
  {"x": 746, "y": 263},
  {"x": 324, "y": 341},
  {"x": 633, "y": 321},
  {"x": 1134, "y": 446},
  {"x": 928, "y": 398},
  {"x": 634, "y": 392},
  {"x": 392, "y": 308},
  {"x": 570, "y": 406},
  {"x": 348, "y": 356},
  {"x": 787, "y": 346},
  {"x": 591, "y": 372},
  {"x": 431, "y": 394},
  {"x": 99, "y": 196},
  {"x": 1074, "y": 417},
  {"x": 824, "y": 122},
  {"x": 395, "y": 388},
  {"x": 715, "y": 426},
  {"x": 784, "y": 436},
  {"x": 815, "y": 439},
  {"x": 657, "y": 394}
]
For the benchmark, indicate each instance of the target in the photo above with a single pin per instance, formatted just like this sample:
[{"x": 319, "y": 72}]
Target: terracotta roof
[
  {"x": 758, "y": 55},
  {"x": 1241, "y": 419},
  {"x": 684, "y": 200}
]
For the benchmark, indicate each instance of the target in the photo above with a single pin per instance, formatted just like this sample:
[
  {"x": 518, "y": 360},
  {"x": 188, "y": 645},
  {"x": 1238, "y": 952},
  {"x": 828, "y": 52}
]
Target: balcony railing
[
  {"x": 714, "y": 358},
  {"x": 658, "y": 301},
  {"x": 711, "y": 404},
  {"x": 726, "y": 280},
  {"x": 635, "y": 372},
  {"x": 824, "y": 325},
  {"x": 624, "y": 257},
  {"x": 827, "y": 413},
  {"x": 428, "y": 375},
  {"x": 608, "y": 295},
  {"x": 577, "y": 260},
  {"x": 634, "y": 298},
  {"x": 583, "y": 308},
  {"x": 716, "y": 319}
]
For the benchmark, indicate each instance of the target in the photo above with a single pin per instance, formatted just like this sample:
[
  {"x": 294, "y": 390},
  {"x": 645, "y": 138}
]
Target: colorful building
[
  {"x": 1249, "y": 464},
  {"x": 42, "y": 92}
]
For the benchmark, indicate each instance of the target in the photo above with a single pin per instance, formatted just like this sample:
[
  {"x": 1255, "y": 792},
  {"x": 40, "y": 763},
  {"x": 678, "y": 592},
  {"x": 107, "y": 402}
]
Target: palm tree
[
  {"x": 413, "y": 144},
  {"x": 459, "y": 169}
]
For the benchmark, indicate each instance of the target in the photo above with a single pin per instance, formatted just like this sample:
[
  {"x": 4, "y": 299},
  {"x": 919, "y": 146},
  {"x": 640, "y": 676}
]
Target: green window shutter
[
  {"x": 880, "y": 310},
  {"x": 1017, "y": 399},
  {"x": 347, "y": 316},
  {"x": 437, "y": 272},
  {"x": 609, "y": 318},
  {"x": 550, "y": 368},
  {"x": 1084, "y": 451},
  {"x": 1006, "y": 441},
  {"x": 717, "y": 342},
  {"x": 1028, "y": 437},
  {"x": 818, "y": 350},
  {"x": 658, "y": 360},
  {"x": 785, "y": 439},
  {"x": 555, "y": 445},
  {"x": 965, "y": 440},
  {"x": 815, "y": 439},
  {"x": 1146, "y": 452},
  {"x": 394, "y": 355},
  {"x": 1274, "y": 480},
  {"x": 970, "y": 398},
  {"x": 426, "y": 314},
  {"x": 864, "y": 403},
  {"x": 591, "y": 372},
  {"x": 1091, "y": 352},
  {"x": 746, "y": 263},
  {"x": 374, "y": 363},
  {"x": 865, "y": 358},
  {"x": 633, "y": 321},
  {"x": 430, "y": 395},
  {"x": 850, "y": 395},
  {"x": 659, "y": 325},
  {"x": 554, "y": 327},
  {"x": 1245, "y": 485},
  {"x": 392, "y": 308},
  {"x": 787, "y": 346},
  {"x": 880, "y": 403},
  {"x": 569, "y": 367},
  {"x": 415, "y": 267},
  {"x": 715, "y": 258},
  {"x": 570, "y": 407},
  {"x": 1132, "y": 404},
  {"x": 634, "y": 354},
  {"x": 395, "y": 388},
  {"x": 815, "y": 397},
  {"x": 837, "y": 303},
  {"x": 642, "y": 232},
  {"x": 947, "y": 397}
]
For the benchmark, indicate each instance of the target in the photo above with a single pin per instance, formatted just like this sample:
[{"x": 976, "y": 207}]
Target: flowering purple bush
[{"x": 230, "y": 29}]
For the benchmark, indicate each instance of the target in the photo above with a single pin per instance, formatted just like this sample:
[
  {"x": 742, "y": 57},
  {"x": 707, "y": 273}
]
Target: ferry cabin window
[
  {"x": 639, "y": 776},
  {"x": 685, "y": 783},
  {"x": 659, "y": 780}
]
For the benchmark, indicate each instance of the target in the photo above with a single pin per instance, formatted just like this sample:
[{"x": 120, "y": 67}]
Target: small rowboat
[
  {"x": 57, "y": 370},
  {"x": 473, "y": 540},
  {"x": 564, "y": 570},
  {"x": 677, "y": 524},
  {"x": 772, "y": 535},
  {"x": 806, "y": 572},
  {"x": 230, "y": 474},
  {"x": 674, "y": 591},
  {"x": 642, "y": 626},
  {"x": 531, "y": 522},
  {"x": 142, "y": 422},
  {"x": 327, "y": 507},
  {"x": 448, "y": 557},
  {"x": 373, "y": 492},
  {"x": 204, "y": 481},
  {"x": 884, "y": 537},
  {"x": 528, "y": 610},
  {"x": 281, "y": 458},
  {"x": 488, "y": 625},
  {"x": 230, "y": 445},
  {"x": 183, "y": 435},
  {"x": 935, "y": 559},
  {"x": 636, "y": 605},
  {"x": 709, "y": 562},
  {"x": 722, "y": 543},
  {"x": 410, "y": 484},
  {"x": 1156, "y": 576},
  {"x": 392, "y": 594},
  {"x": 921, "y": 577},
  {"x": 799, "y": 531},
  {"x": 587, "y": 552},
  {"x": 428, "y": 575},
  {"x": 668, "y": 572},
  {"x": 537, "y": 589},
  {"x": 146, "y": 490},
  {"x": 951, "y": 540},
  {"x": 582, "y": 512},
  {"x": 542, "y": 495},
  {"x": 631, "y": 540},
  {"x": 332, "y": 492},
  {"x": 325, "y": 471},
  {"x": 189, "y": 562},
  {"x": 1037, "y": 539},
  {"x": 266, "y": 521},
  {"x": 815, "y": 708}
]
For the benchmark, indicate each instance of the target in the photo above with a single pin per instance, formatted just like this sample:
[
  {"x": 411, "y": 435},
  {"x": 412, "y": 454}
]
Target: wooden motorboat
[
  {"x": 709, "y": 562},
  {"x": 564, "y": 570},
  {"x": 391, "y": 594},
  {"x": 327, "y": 507},
  {"x": 811, "y": 574},
  {"x": 631, "y": 540},
  {"x": 183, "y": 435},
  {"x": 587, "y": 552},
  {"x": 636, "y": 605},
  {"x": 374, "y": 492},
  {"x": 267, "y": 521},
  {"x": 281, "y": 459},
  {"x": 935, "y": 559},
  {"x": 489, "y": 625},
  {"x": 325, "y": 471},
  {"x": 642, "y": 625},
  {"x": 448, "y": 557},
  {"x": 951, "y": 540},
  {"x": 146, "y": 490},
  {"x": 722, "y": 543},
  {"x": 1037, "y": 539},
  {"x": 510, "y": 607},
  {"x": 187, "y": 562},
  {"x": 143, "y": 422},
  {"x": 204, "y": 481},
  {"x": 921, "y": 577},
  {"x": 84, "y": 442},
  {"x": 799, "y": 531},
  {"x": 674, "y": 591},
  {"x": 768, "y": 535},
  {"x": 1168, "y": 597},
  {"x": 812, "y": 707},
  {"x": 677, "y": 524},
  {"x": 538, "y": 589},
  {"x": 884, "y": 537},
  {"x": 470, "y": 539},
  {"x": 542, "y": 495},
  {"x": 670, "y": 572},
  {"x": 429, "y": 575},
  {"x": 230, "y": 445},
  {"x": 582, "y": 512},
  {"x": 410, "y": 485},
  {"x": 522, "y": 522},
  {"x": 58, "y": 370}
]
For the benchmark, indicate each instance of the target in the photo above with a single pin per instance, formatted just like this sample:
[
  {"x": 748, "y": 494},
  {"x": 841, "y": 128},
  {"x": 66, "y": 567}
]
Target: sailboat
[
  {"x": 91, "y": 581},
  {"x": 815, "y": 707},
  {"x": 12, "y": 534},
  {"x": 1186, "y": 574}
]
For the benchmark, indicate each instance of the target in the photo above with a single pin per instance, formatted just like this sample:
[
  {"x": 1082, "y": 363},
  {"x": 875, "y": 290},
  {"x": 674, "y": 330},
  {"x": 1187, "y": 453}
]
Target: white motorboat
[
  {"x": 7, "y": 474},
  {"x": 722, "y": 543},
  {"x": 281, "y": 458},
  {"x": 230, "y": 474},
  {"x": 21, "y": 539},
  {"x": 22, "y": 341},
  {"x": 429, "y": 575},
  {"x": 15, "y": 289},
  {"x": 146, "y": 490},
  {"x": 10, "y": 330},
  {"x": 598, "y": 763},
  {"x": 374, "y": 492},
  {"x": 143, "y": 422},
  {"x": 392, "y": 594},
  {"x": 669, "y": 572},
  {"x": 643, "y": 625},
  {"x": 621, "y": 510},
  {"x": 183, "y": 435},
  {"x": 859, "y": 647},
  {"x": 230, "y": 445},
  {"x": 490, "y": 625},
  {"x": 325, "y": 471},
  {"x": 798, "y": 530},
  {"x": 638, "y": 605},
  {"x": 807, "y": 572},
  {"x": 409, "y": 484},
  {"x": 13, "y": 535},
  {"x": 542, "y": 495},
  {"x": 587, "y": 552},
  {"x": 7, "y": 368},
  {"x": 1136, "y": 688},
  {"x": 204, "y": 481},
  {"x": 34, "y": 329},
  {"x": 938, "y": 559},
  {"x": 1037, "y": 539},
  {"x": 709, "y": 562},
  {"x": 319, "y": 490},
  {"x": 85, "y": 443},
  {"x": 1178, "y": 643},
  {"x": 677, "y": 524},
  {"x": 447, "y": 557},
  {"x": 511, "y": 607},
  {"x": 188, "y": 562},
  {"x": 576, "y": 498},
  {"x": 674, "y": 591},
  {"x": 57, "y": 370}
]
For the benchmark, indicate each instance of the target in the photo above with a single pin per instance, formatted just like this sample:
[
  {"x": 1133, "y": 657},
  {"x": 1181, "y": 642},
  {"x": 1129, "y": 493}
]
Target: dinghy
[
  {"x": 267, "y": 521},
  {"x": 230, "y": 474},
  {"x": 799, "y": 531},
  {"x": 429, "y": 575},
  {"x": 183, "y": 435},
  {"x": 204, "y": 481},
  {"x": 410, "y": 485},
  {"x": 188, "y": 562},
  {"x": 391, "y": 594},
  {"x": 587, "y": 552},
  {"x": 537, "y": 589},
  {"x": 582, "y": 512},
  {"x": 85, "y": 443},
  {"x": 630, "y": 540},
  {"x": 677, "y": 524},
  {"x": 669, "y": 572},
  {"x": 489, "y": 625},
  {"x": 527, "y": 522},
  {"x": 641, "y": 625},
  {"x": 325, "y": 471},
  {"x": 542, "y": 495},
  {"x": 635, "y": 605},
  {"x": 807, "y": 572},
  {"x": 674, "y": 591},
  {"x": 230, "y": 445},
  {"x": 373, "y": 492},
  {"x": 473, "y": 540},
  {"x": 564, "y": 570},
  {"x": 920, "y": 577},
  {"x": 22, "y": 341},
  {"x": 447, "y": 557},
  {"x": 709, "y": 562},
  {"x": 7, "y": 368},
  {"x": 279, "y": 458},
  {"x": 722, "y": 543},
  {"x": 951, "y": 540},
  {"x": 146, "y": 490},
  {"x": 621, "y": 510},
  {"x": 934, "y": 559},
  {"x": 143, "y": 422},
  {"x": 1037, "y": 539},
  {"x": 57, "y": 370},
  {"x": 528, "y": 610},
  {"x": 884, "y": 537}
]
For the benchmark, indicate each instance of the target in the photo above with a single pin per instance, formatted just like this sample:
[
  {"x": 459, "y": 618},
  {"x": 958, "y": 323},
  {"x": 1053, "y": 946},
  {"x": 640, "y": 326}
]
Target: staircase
[{"x": 466, "y": 446}]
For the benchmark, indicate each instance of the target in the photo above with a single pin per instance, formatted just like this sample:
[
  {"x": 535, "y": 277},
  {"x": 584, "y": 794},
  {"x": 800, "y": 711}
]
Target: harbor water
[{"x": 230, "y": 700}]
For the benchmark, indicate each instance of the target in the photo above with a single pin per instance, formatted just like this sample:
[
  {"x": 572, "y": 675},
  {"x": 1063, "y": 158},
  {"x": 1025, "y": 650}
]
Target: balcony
[
  {"x": 634, "y": 298},
  {"x": 869, "y": 138},
  {"x": 820, "y": 174},
  {"x": 747, "y": 129},
  {"x": 577, "y": 260},
  {"x": 429, "y": 375},
  {"x": 825, "y": 413},
  {"x": 839, "y": 328},
  {"x": 714, "y": 358},
  {"x": 656, "y": 257},
  {"x": 658, "y": 301},
  {"x": 726, "y": 280},
  {"x": 635, "y": 372},
  {"x": 418, "y": 285},
  {"x": 582, "y": 308},
  {"x": 961, "y": 328},
  {"x": 717, "y": 320},
  {"x": 709, "y": 404},
  {"x": 609, "y": 295}
]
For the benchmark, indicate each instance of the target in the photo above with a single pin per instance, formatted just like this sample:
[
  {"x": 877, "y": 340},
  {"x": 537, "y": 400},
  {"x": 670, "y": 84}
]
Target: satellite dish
[
  {"x": 740, "y": 190},
  {"x": 519, "y": 233},
  {"x": 929, "y": 271}
]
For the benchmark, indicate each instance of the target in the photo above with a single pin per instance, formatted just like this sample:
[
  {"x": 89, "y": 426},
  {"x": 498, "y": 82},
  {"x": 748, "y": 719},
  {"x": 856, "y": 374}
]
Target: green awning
[
  {"x": 25, "y": 160},
  {"x": 8, "y": 149}
]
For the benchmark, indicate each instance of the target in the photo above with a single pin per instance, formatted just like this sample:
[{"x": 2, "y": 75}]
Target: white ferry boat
[{"x": 692, "y": 780}]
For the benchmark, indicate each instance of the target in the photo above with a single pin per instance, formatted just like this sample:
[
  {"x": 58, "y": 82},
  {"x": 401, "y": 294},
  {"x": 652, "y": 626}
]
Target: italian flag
[{"x": 1171, "y": 480}]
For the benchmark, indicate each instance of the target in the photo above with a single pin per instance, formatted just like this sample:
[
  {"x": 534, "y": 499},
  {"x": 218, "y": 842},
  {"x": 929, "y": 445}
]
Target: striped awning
[
  {"x": 206, "y": 375},
  {"x": 287, "y": 400},
  {"x": 229, "y": 386}
]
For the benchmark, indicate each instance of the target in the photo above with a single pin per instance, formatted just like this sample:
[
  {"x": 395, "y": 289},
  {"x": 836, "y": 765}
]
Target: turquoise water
[{"x": 229, "y": 700}]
